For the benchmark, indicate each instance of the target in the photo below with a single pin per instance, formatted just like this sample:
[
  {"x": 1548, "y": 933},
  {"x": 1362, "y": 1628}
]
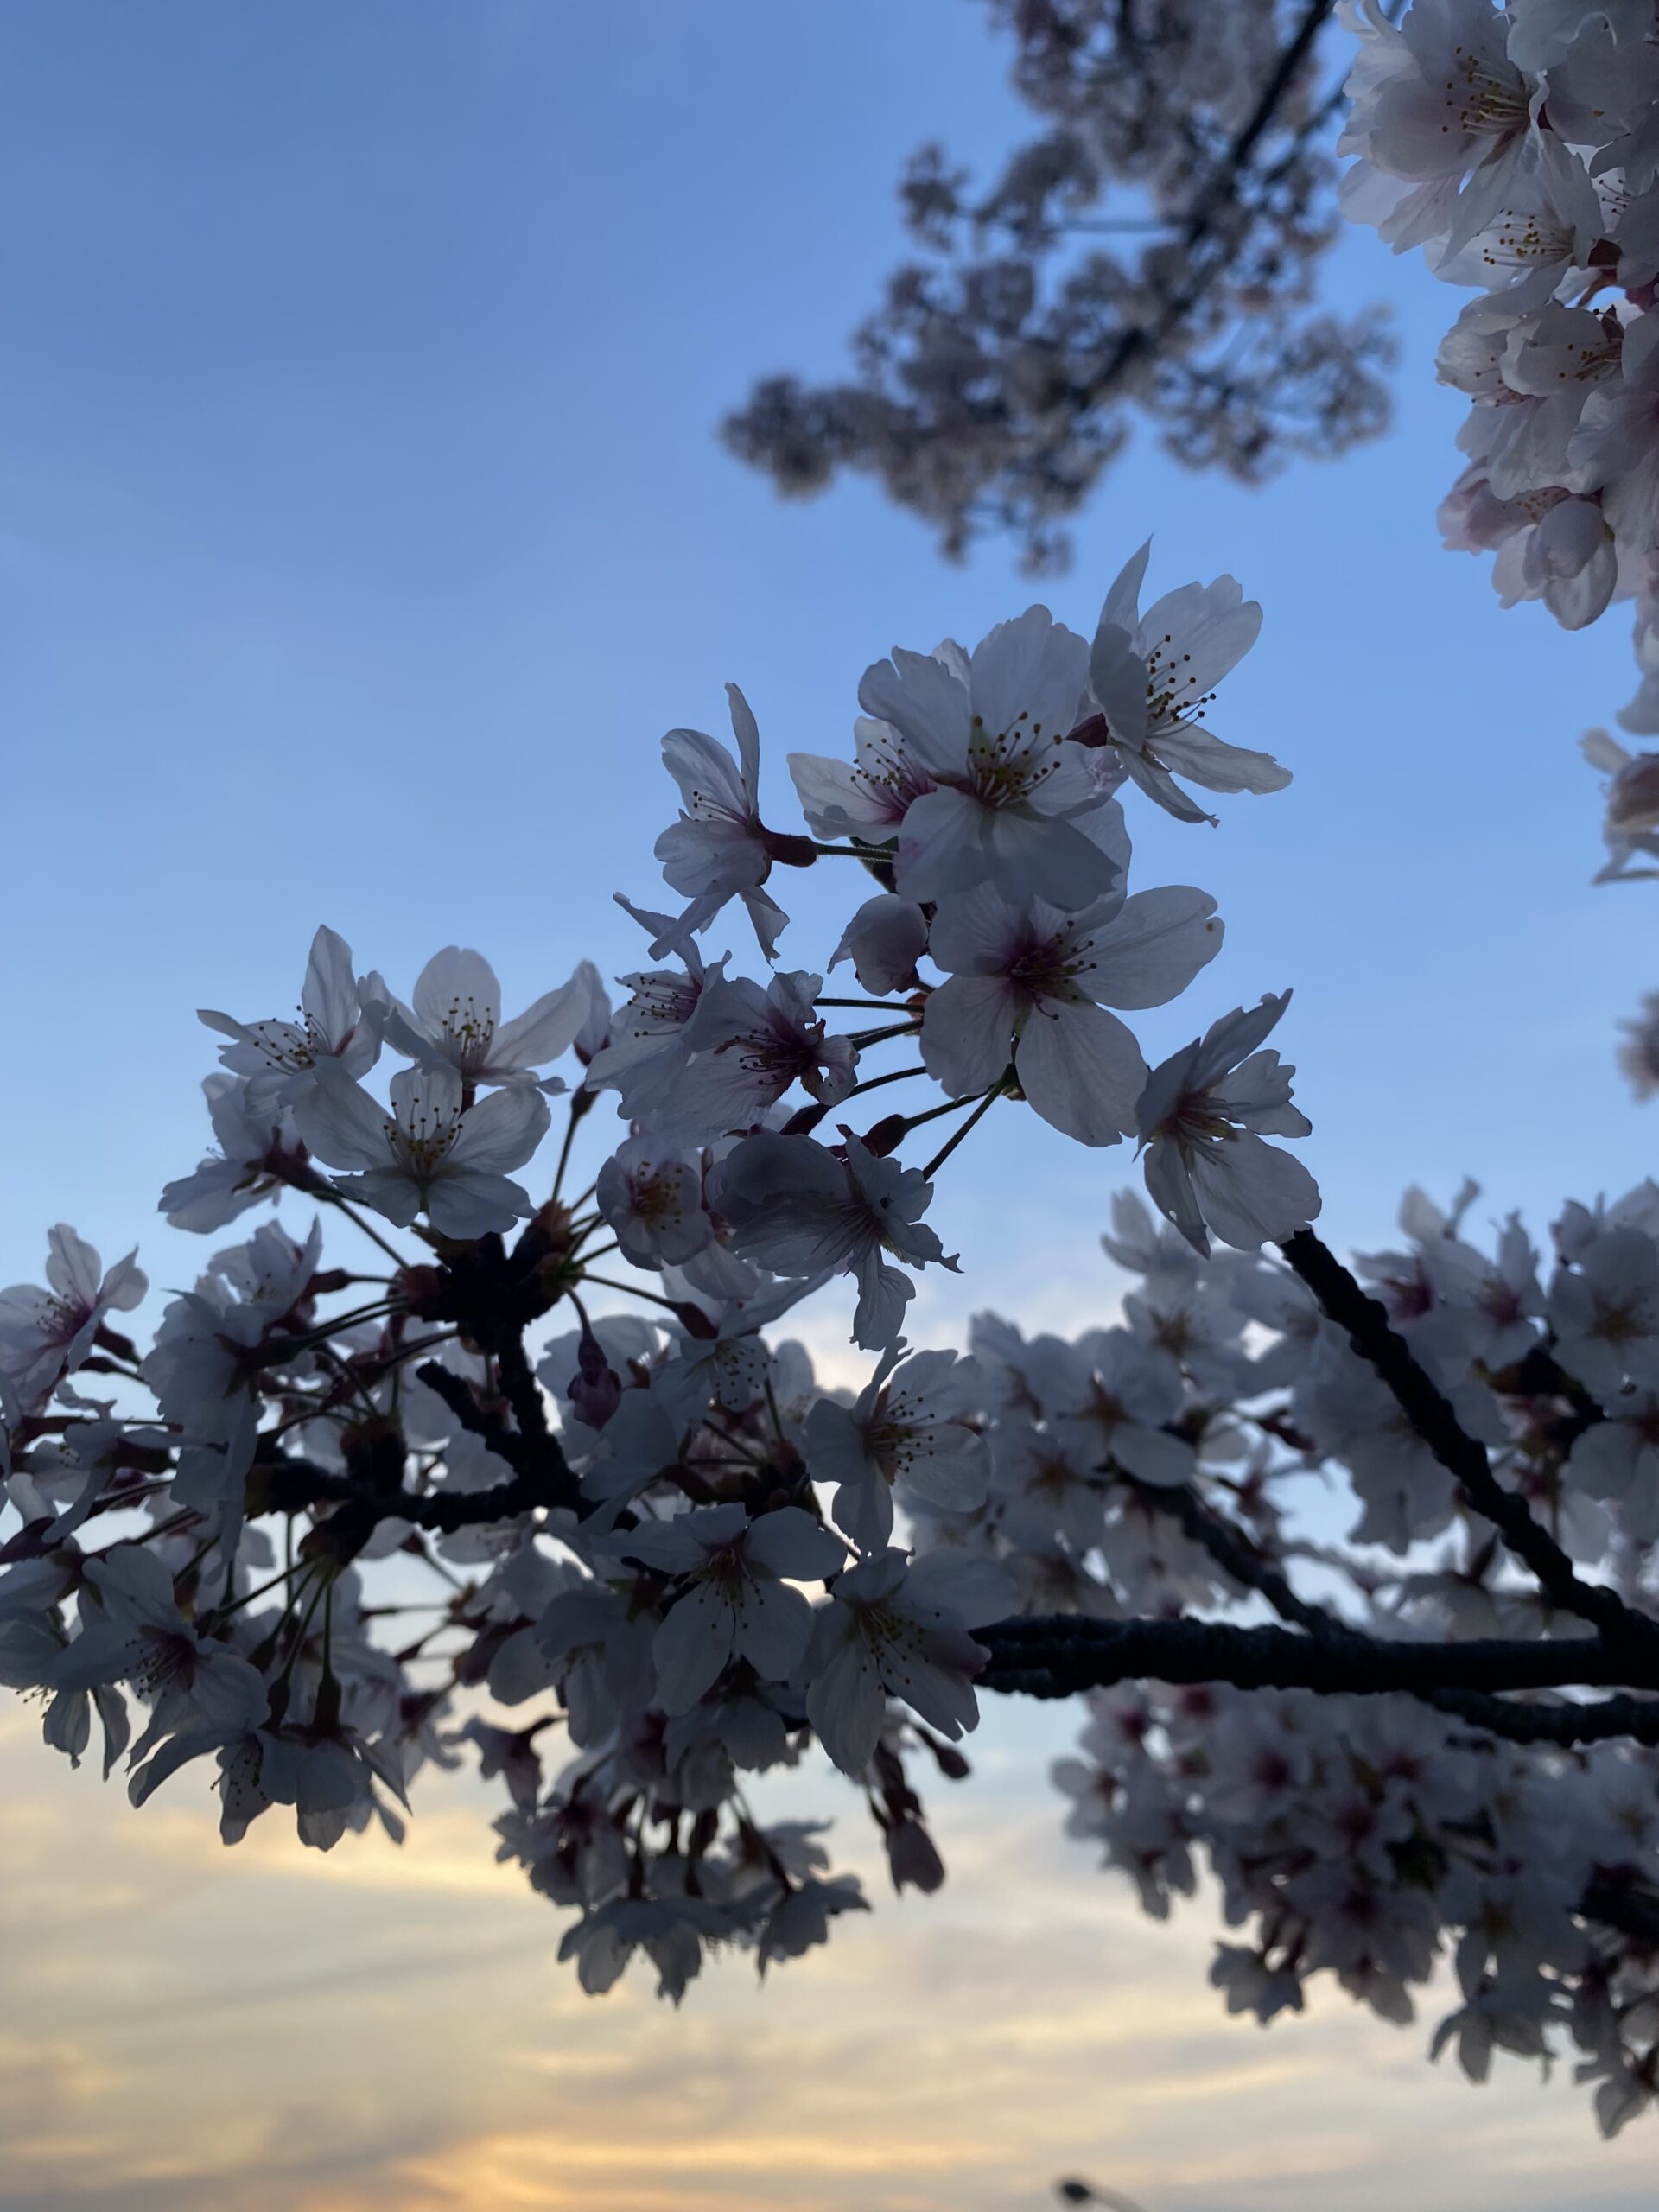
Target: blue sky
[{"x": 362, "y": 528}]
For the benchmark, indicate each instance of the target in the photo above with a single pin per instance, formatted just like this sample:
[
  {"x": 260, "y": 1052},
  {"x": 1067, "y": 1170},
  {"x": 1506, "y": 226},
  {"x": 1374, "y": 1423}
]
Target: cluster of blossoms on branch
[
  {"x": 1518, "y": 146},
  {"x": 338, "y": 1521},
  {"x": 1151, "y": 250}
]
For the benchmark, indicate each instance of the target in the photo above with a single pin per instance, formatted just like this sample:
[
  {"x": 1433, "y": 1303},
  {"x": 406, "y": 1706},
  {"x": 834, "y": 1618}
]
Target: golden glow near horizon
[{"x": 265, "y": 2030}]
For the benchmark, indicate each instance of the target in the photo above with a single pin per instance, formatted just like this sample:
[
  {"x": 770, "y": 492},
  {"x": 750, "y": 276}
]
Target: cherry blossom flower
[
  {"x": 430, "y": 1155},
  {"x": 46, "y": 1332},
  {"x": 748, "y": 1046},
  {"x": 734, "y": 1603},
  {"x": 907, "y": 1425},
  {"x": 1202, "y": 1116},
  {"x": 340, "y": 1019},
  {"x": 645, "y": 1054},
  {"x": 884, "y": 941},
  {"x": 256, "y": 1146},
  {"x": 1438, "y": 105},
  {"x": 891, "y": 1630},
  {"x": 136, "y": 1634},
  {"x": 455, "y": 1021},
  {"x": 1152, "y": 678},
  {"x": 651, "y": 1196},
  {"x": 1030, "y": 984},
  {"x": 991, "y": 731},
  {"x": 1619, "y": 1458},
  {"x": 794, "y": 1207},
  {"x": 720, "y": 849}
]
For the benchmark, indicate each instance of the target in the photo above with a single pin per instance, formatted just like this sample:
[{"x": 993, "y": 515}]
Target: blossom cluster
[
  {"x": 430, "y": 1505},
  {"x": 1151, "y": 250},
  {"x": 650, "y": 1527},
  {"x": 1518, "y": 146},
  {"x": 1367, "y": 1838}
]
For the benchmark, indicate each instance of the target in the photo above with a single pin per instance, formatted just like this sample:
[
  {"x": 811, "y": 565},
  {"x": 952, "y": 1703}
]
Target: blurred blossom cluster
[{"x": 1152, "y": 250}]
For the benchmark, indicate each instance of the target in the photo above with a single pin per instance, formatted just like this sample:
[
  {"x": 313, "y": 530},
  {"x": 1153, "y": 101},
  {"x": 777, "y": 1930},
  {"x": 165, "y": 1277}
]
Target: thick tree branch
[
  {"x": 1057, "y": 1656},
  {"x": 1366, "y": 1323}
]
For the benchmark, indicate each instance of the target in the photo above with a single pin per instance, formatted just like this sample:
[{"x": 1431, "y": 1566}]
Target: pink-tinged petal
[
  {"x": 1250, "y": 1193},
  {"x": 883, "y": 1294},
  {"x": 1170, "y": 1188},
  {"x": 338, "y": 1120},
  {"x": 884, "y": 940},
  {"x": 136, "y": 1585},
  {"x": 1033, "y": 856},
  {"x": 1213, "y": 626},
  {"x": 705, "y": 773},
  {"x": 1028, "y": 676},
  {"x": 746, "y": 731},
  {"x": 1228, "y": 1042},
  {"x": 942, "y": 1697},
  {"x": 125, "y": 1285},
  {"x": 329, "y": 992},
  {"x": 544, "y": 1030},
  {"x": 1082, "y": 1069},
  {"x": 1123, "y": 605},
  {"x": 690, "y": 1647},
  {"x": 1117, "y": 677},
  {"x": 72, "y": 1267},
  {"x": 976, "y": 933},
  {"x": 1152, "y": 948},
  {"x": 834, "y": 1446},
  {"x": 774, "y": 1624},
  {"x": 228, "y": 1692},
  {"x": 938, "y": 848},
  {"x": 1219, "y": 766},
  {"x": 1152, "y": 1455},
  {"x": 954, "y": 1471},
  {"x": 863, "y": 1509},
  {"x": 502, "y": 1131},
  {"x": 473, "y": 1201},
  {"x": 102, "y": 1653},
  {"x": 1160, "y": 786},
  {"x": 968, "y": 1032},
  {"x": 767, "y": 918},
  {"x": 455, "y": 985},
  {"x": 845, "y": 1704},
  {"x": 835, "y": 800},
  {"x": 390, "y": 1191},
  {"x": 926, "y": 702},
  {"x": 965, "y": 1587},
  {"x": 791, "y": 1542}
]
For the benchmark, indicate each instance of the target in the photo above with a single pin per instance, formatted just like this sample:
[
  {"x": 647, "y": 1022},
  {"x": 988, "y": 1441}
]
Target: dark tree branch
[
  {"x": 1366, "y": 1323},
  {"x": 1057, "y": 1656}
]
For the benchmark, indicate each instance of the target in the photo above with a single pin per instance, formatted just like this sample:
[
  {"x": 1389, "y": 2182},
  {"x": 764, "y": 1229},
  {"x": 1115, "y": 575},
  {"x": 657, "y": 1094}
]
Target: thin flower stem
[
  {"x": 373, "y": 1234},
  {"x": 952, "y": 1141},
  {"x": 860, "y": 1039},
  {"x": 235, "y": 1604},
  {"x": 931, "y": 1114},
  {"x": 580, "y": 1103},
  {"x": 862, "y": 1006},
  {"x": 631, "y": 1290},
  {"x": 895, "y": 1075},
  {"x": 600, "y": 1251},
  {"x": 852, "y": 852}
]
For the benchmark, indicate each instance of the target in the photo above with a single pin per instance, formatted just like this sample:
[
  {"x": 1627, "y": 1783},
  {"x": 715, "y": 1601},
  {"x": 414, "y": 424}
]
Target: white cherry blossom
[
  {"x": 1203, "y": 1116},
  {"x": 454, "y": 1021},
  {"x": 430, "y": 1155},
  {"x": 1152, "y": 678}
]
